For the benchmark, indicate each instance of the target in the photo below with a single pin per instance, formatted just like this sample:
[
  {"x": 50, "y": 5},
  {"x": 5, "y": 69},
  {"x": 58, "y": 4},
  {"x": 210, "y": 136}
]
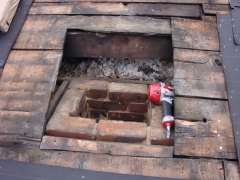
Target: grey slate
[
  {"x": 230, "y": 54},
  {"x": 234, "y": 3}
]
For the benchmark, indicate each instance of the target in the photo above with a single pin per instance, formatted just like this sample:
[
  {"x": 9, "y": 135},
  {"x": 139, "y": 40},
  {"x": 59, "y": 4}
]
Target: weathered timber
[
  {"x": 216, "y": 9},
  {"x": 48, "y": 32},
  {"x": 27, "y": 124},
  {"x": 31, "y": 71},
  {"x": 123, "y": 149},
  {"x": 24, "y": 101},
  {"x": 16, "y": 141},
  {"x": 80, "y": 44},
  {"x": 194, "y": 109},
  {"x": 28, "y": 40},
  {"x": 198, "y": 74},
  {"x": 195, "y": 34},
  {"x": 26, "y": 86},
  {"x": 203, "y": 129},
  {"x": 231, "y": 170},
  {"x": 56, "y": 98},
  {"x": 146, "y": 1},
  {"x": 116, "y": 9},
  {"x": 23, "y": 57},
  {"x": 157, "y": 167},
  {"x": 199, "y": 139}
]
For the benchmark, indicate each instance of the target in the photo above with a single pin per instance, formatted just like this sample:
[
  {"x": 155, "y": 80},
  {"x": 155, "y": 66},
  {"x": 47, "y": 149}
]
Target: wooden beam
[
  {"x": 231, "y": 170},
  {"x": 26, "y": 124},
  {"x": 56, "y": 99},
  {"x": 198, "y": 74},
  {"x": 203, "y": 128},
  {"x": 48, "y": 32},
  {"x": 116, "y": 9},
  {"x": 216, "y": 9},
  {"x": 155, "y": 167},
  {"x": 195, "y": 34},
  {"x": 123, "y": 149},
  {"x": 145, "y": 1},
  {"x": 80, "y": 44}
]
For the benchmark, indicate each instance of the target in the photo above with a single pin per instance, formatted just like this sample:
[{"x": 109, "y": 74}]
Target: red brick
[
  {"x": 83, "y": 112},
  {"x": 107, "y": 105},
  {"x": 96, "y": 93},
  {"x": 137, "y": 107},
  {"x": 127, "y": 92},
  {"x": 96, "y": 113},
  {"x": 158, "y": 133},
  {"x": 118, "y": 131},
  {"x": 72, "y": 102},
  {"x": 126, "y": 116},
  {"x": 95, "y": 89},
  {"x": 63, "y": 125}
]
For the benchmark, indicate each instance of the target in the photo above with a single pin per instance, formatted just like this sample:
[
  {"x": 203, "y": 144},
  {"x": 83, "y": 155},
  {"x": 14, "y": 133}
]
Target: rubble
[{"x": 123, "y": 68}]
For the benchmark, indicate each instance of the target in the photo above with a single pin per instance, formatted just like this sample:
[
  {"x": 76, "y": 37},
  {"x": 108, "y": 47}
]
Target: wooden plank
[
  {"x": 17, "y": 141},
  {"x": 31, "y": 71},
  {"x": 116, "y": 9},
  {"x": 156, "y": 167},
  {"x": 123, "y": 149},
  {"x": 81, "y": 44},
  {"x": 126, "y": 24},
  {"x": 205, "y": 129},
  {"x": 23, "y": 57},
  {"x": 194, "y": 109},
  {"x": 24, "y": 101},
  {"x": 198, "y": 74},
  {"x": 56, "y": 98},
  {"x": 48, "y": 32},
  {"x": 146, "y": 1},
  {"x": 216, "y": 9},
  {"x": 40, "y": 40},
  {"x": 27, "y": 124},
  {"x": 26, "y": 86},
  {"x": 231, "y": 170},
  {"x": 195, "y": 34}
]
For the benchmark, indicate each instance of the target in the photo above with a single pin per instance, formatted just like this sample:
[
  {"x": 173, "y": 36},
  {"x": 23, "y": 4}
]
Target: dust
[{"x": 122, "y": 68}]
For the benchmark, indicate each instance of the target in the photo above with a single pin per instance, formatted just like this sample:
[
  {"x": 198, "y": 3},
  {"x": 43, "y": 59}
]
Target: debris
[{"x": 123, "y": 68}]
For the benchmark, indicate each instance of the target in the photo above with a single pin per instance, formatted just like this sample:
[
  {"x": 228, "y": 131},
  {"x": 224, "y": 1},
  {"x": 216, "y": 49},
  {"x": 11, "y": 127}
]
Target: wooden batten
[
  {"x": 89, "y": 8},
  {"x": 203, "y": 129},
  {"x": 82, "y": 44},
  {"x": 198, "y": 74}
]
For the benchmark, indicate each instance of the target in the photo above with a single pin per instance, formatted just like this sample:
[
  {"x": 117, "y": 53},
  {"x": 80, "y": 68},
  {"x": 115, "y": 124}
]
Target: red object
[
  {"x": 154, "y": 93},
  {"x": 168, "y": 123}
]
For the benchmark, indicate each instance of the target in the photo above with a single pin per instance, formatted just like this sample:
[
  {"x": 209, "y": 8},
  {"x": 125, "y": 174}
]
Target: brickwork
[
  {"x": 120, "y": 113},
  {"x": 118, "y": 131}
]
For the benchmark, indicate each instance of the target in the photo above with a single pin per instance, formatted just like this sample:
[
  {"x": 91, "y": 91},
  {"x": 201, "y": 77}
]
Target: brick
[
  {"x": 72, "y": 102},
  {"x": 126, "y": 116},
  {"x": 118, "y": 131},
  {"x": 63, "y": 125},
  {"x": 96, "y": 113},
  {"x": 158, "y": 133},
  {"x": 83, "y": 112},
  {"x": 137, "y": 107},
  {"x": 107, "y": 105},
  {"x": 127, "y": 92},
  {"x": 95, "y": 89}
]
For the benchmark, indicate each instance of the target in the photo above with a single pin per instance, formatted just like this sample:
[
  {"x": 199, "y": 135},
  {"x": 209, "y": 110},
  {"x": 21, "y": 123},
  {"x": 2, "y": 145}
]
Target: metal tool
[{"x": 159, "y": 93}]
